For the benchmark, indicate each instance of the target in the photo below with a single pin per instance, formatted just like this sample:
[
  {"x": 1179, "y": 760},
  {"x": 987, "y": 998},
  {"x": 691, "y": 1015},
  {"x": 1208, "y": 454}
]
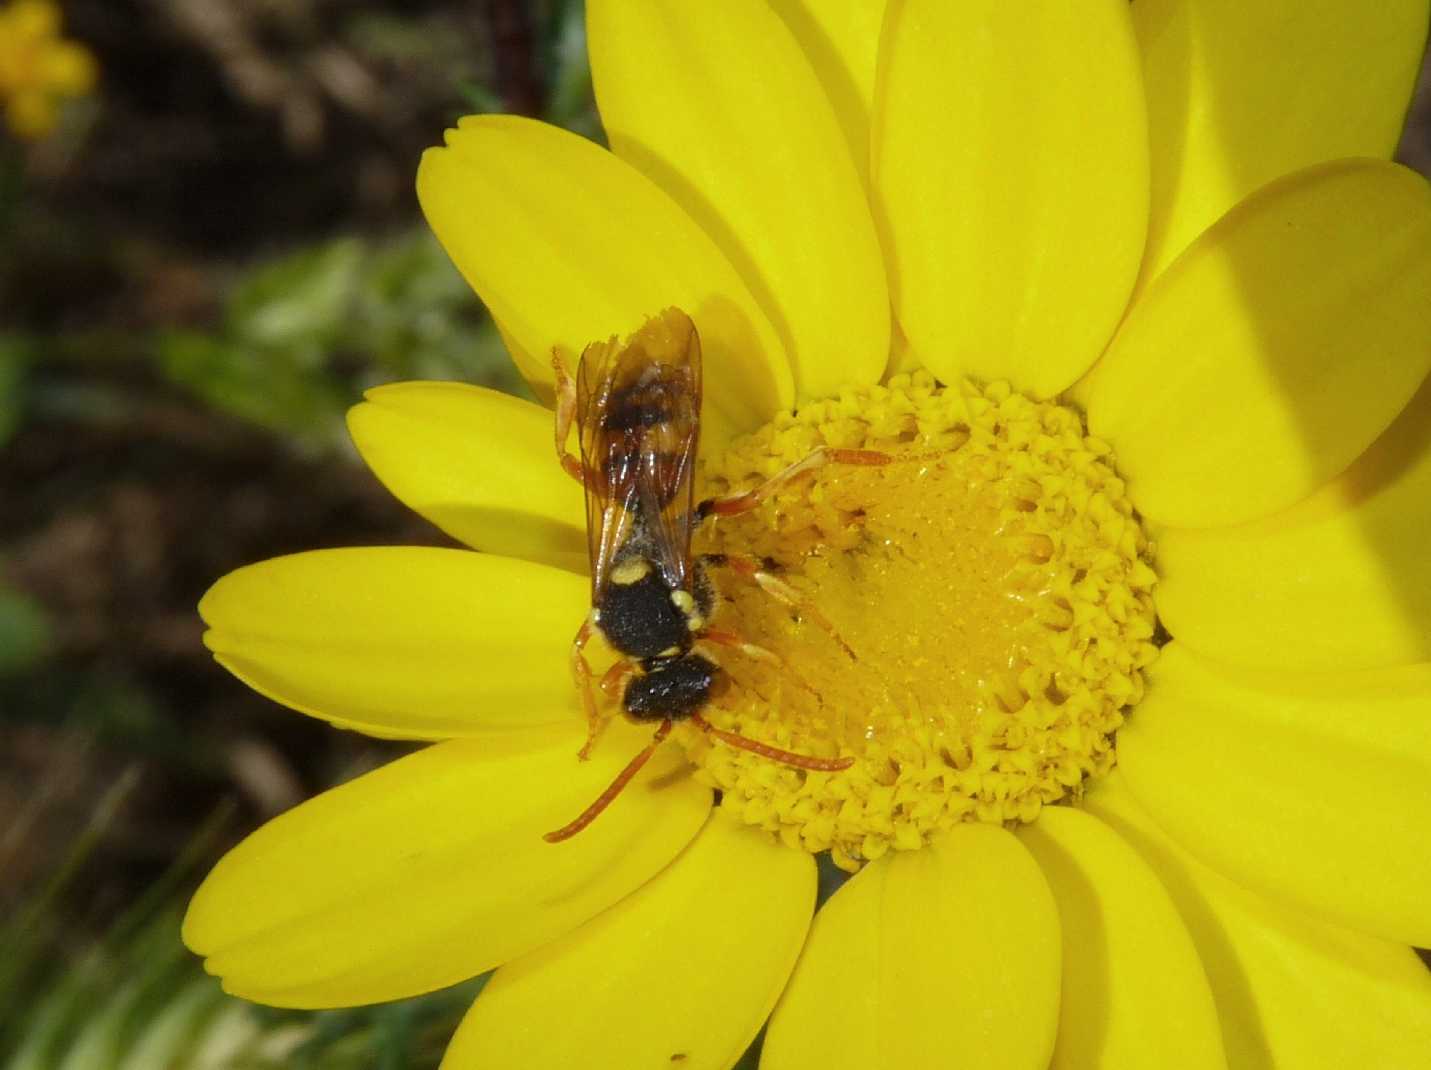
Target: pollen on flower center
[{"x": 979, "y": 613}]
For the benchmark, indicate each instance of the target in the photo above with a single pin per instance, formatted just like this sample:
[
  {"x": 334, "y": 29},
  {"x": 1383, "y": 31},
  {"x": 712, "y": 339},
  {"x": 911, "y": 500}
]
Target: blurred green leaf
[
  {"x": 25, "y": 632},
  {"x": 570, "y": 100},
  {"x": 306, "y": 334},
  {"x": 113, "y": 707},
  {"x": 139, "y": 1000},
  {"x": 277, "y": 387},
  {"x": 419, "y": 319},
  {"x": 16, "y": 353},
  {"x": 175, "y": 1026},
  {"x": 479, "y": 99},
  {"x": 299, "y": 303}
]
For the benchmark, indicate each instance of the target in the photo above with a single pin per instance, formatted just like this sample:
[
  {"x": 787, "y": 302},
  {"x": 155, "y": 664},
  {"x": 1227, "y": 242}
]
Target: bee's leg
[
  {"x": 765, "y": 750},
  {"x": 718, "y": 637},
  {"x": 729, "y": 639},
  {"x": 603, "y": 800},
  {"x": 565, "y": 413},
  {"x": 751, "y": 569},
  {"x": 613, "y": 684},
  {"x": 735, "y": 504},
  {"x": 581, "y": 673}
]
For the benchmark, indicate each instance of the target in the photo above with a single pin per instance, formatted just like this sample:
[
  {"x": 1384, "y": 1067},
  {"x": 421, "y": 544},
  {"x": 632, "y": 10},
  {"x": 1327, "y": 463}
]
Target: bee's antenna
[
  {"x": 775, "y": 754},
  {"x": 604, "y": 800}
]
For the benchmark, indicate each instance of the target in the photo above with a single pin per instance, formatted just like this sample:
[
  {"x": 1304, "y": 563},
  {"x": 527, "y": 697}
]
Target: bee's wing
[
  {"x": 669, "y": 449},
  {"x": 609, "y": 480},
  {"x": 638, "y": 409}
]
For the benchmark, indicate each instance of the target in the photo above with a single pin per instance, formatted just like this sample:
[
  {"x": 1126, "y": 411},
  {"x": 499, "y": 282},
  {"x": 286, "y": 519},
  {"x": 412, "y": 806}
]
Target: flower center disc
[{"x": 978, "y": 613}]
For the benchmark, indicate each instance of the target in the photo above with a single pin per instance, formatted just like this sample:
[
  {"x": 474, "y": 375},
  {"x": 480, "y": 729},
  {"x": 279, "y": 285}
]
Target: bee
[{"x": 637, "y": 410}]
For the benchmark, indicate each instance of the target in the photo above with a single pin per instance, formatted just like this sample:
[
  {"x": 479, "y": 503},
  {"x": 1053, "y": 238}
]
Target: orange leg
[
  {"x": 581, "y": 673},
  {"x": 565, "y": 414},
  {"x": 749, "y": 568},
  {"x": 613, "y": 684},
  {"x": 735, "y": 642},
  {"x": 775, "y": 754},
  {"x": 604, "y": 800},
  {"x": 735, "y": 504},
  {"x": 719, "y": 637}
]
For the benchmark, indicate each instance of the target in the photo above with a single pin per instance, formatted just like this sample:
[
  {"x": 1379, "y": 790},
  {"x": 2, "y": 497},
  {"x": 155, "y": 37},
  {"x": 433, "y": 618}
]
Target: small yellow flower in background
[
  {"x": 38, "y": 67},
  {"x": 1079, "y": 842}
]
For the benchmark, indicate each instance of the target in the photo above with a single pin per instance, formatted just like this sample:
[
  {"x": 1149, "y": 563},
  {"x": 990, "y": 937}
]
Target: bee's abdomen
[
  {"x": 658, "y": 396},
  {"x": 674, "y": 688},
  {"x": 638, "y": 617}
]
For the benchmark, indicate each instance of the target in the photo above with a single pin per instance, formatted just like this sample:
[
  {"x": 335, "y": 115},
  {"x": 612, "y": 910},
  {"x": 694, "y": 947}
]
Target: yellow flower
[
  {"x": 1189, "y": 198},
  {"x": 38, "y": 68}
]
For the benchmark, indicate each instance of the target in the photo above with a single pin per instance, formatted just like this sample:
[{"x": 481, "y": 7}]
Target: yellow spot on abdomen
[{"x": 632, "y": 570}]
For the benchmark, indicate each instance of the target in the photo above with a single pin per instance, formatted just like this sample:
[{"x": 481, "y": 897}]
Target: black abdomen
[
  {"x": 640, "y": 620},
  {"x": 671, "y": 688}
]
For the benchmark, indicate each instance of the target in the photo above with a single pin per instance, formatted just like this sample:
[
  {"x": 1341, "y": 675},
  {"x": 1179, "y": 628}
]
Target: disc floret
[{"x": 981, "y": 613}]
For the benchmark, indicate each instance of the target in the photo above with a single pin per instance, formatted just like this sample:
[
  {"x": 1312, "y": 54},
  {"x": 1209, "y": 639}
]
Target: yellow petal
[
  {"x": 841, "y": 42},
  {"x": 717, "y": 105},
  {"x": 409, "y": 641},
  {"x": 1299, "y": 786},
  {"x": 1276, "y": 349},
  {"x": 433, "y": 868},
  {"x": 568, "y": 245},
  {"x": 947, "y": 956},
  {"x": 1127, "y": 957},
  {"x": 1011, "y": 171},
  {"x": 1291, "y": 991},
  {"x": 1340, "y": 581},
  {"x": 681, "y": 973},
  {"x": 1240, "y": 93},
  {"x": 538, "y": 373},
  {"x": 479, "y": 464}
]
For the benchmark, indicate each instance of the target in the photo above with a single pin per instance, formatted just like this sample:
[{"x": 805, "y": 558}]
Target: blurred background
[{"x": 209, "y": 247}]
